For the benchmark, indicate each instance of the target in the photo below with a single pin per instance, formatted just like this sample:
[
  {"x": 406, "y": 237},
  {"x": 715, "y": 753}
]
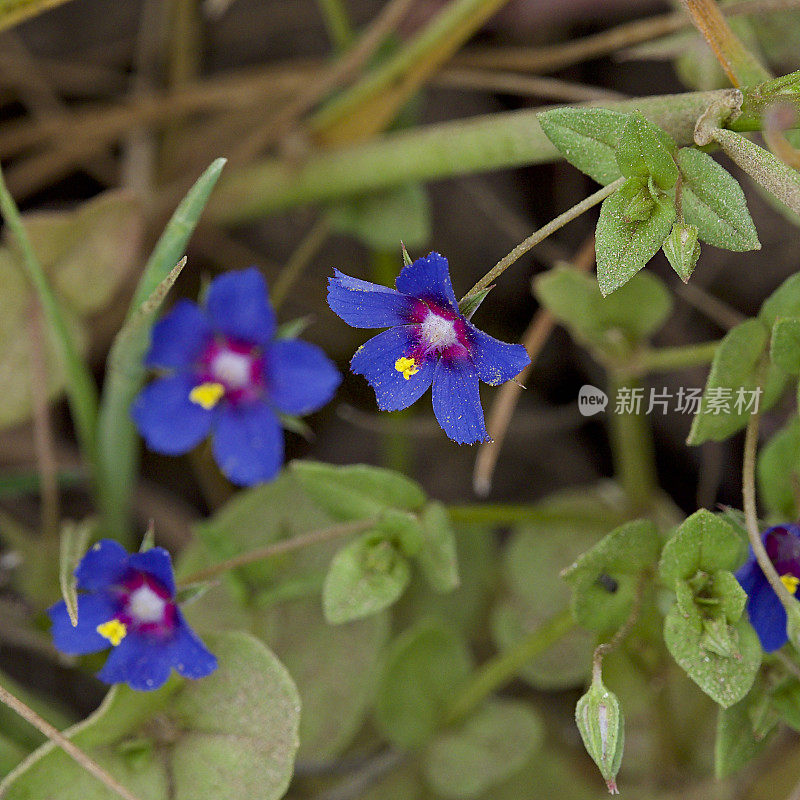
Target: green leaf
[
  {"x": 437, "y": 556},
  {"x": 645, "y": 150},
  {"x": 89, "y": 252},
  {"x": 492, "y": 746},
  {"x": 358, "y": 491},
  {"x": 233, "y": 733},
  {"x": 730, "y": 391},
  {"x": 118, "y": 449},
  {"x": 713, "y": 201},
  {"x": 737, "y": 743},
  {"x": 784, "y": 348},
  {"x": 605, "y": 579},
  {"x": 778, "y": 471},
  {"x": 726, "y": 680},
  {"x": 636, "y": 310},
  {"x": 623, "y": 248},
  {"x": 587, "y": 138},
  {"x": 704, "y": 542},
  {"x": 384, "y": 219},
  {"x": 533, "y": 558},
  {"x": 783, "y": 302},
  {"x": 424, "y": 669},
  {"x": 74, "y": 540},
  {"x": 365, "y": 577}
]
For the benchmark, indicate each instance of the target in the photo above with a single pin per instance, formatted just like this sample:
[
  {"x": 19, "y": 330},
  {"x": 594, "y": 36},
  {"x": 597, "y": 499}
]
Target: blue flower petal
[
  {"x": 496, "y": 361},
  {"x": 167, "y": 419},
  {"x": 767, "y": 616},
  {"x": 93, "y": 610},
  {"x": 238, "y": 306},
  {"x": 366, "y": 305},
  {"x": 143, "y": 662},
  {"x": 104, "y": 564},
  {"x": 248, "y": 444},
  {"x": 428, "y": 278},
  {"x": 179, "y": 339},
  {"x": 300, "y": 377},
  {"x": 188, "y": 653},
  {"x": 156, "y": 562},
  {"x": 375, "y": 360},
  {"x": 749, "y": 574},
  {"x": 457, "y": 402}
]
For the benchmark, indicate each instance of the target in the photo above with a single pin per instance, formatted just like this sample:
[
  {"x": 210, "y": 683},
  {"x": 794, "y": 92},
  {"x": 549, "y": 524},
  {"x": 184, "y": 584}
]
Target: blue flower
[
  {"x": 128, "y": 603},
  {"x": 429, "y": 341},
  {"x": 228, "y": 376},
  {"x": 764, "y": 609}
]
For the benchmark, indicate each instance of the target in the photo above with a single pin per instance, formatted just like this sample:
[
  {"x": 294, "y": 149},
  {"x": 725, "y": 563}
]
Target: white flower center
[
  {"x": 232, "y": 369},
  {"x": 144, "y": 605},
  {"x": 438, "y": 332}
]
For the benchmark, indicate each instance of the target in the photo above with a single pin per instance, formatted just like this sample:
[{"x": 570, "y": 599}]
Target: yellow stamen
[
  {"x": 207, "y": 395},
  {"x": 790, "y": 582},
  {"x": 408, "y": 366},
  {"x": 113, "y": 630}
]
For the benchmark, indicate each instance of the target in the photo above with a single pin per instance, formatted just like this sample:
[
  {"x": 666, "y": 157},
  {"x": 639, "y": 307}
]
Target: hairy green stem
[
  {"x": 632, "y": 446},
  {"x": 751, "y": 515},
  {"x": 433, "y": 152},
  {"x": 664, "y": 359},
  {"x": 497, "y": 672},
  {"x": 546, "y": 230}
]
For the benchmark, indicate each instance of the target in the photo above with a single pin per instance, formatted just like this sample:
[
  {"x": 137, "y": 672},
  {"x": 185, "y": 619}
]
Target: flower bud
[
  {"x": 602, "y": 729},
  {"x": 639, "y": 207},
  {"x": 682, "y": 249}
]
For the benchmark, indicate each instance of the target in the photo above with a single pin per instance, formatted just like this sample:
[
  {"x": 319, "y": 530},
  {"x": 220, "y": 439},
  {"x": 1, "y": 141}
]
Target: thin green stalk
[
  {"x": 300, "y": 259},
  {"x": 665, "y": 359},
  {"x": 278, "y": 548},
  {"x": 502, "y": 514},
  {"x": 12, "y": 12},
  {"x": 497, "y": 672},
  {"x": 337, "y": 22},
  {"x": 118, "y": 447},
  {"x": 632, "y": 446},
  {"x": 546, "y": 230},
  {"x": 433, "y": 152},
  {"x": 81, "y": 389},
  {"x": 751, "y": 515},
  {"x": 13, "y": 484}
]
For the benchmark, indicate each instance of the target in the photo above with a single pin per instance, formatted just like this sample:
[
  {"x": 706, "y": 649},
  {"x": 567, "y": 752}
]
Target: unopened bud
[
  {"x": 640, "y": 207},
  {"x": 602, "y": 729},
  {"x": 682, "y": 249}
]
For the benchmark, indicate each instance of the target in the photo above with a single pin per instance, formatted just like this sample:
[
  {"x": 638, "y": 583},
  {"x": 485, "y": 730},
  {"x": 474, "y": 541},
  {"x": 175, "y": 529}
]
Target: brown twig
[
  {"x": 505, "y": 402},
  {"x": 279, "y": 548},
  {"x": 342, "y": 70},
  {"x": 553, "y": 57},
  {"x": 58, "y": 739}
]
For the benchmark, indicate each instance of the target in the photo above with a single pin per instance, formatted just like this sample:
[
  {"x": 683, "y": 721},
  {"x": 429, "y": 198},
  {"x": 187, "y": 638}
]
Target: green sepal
[{"x": 682, "y": 249}]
